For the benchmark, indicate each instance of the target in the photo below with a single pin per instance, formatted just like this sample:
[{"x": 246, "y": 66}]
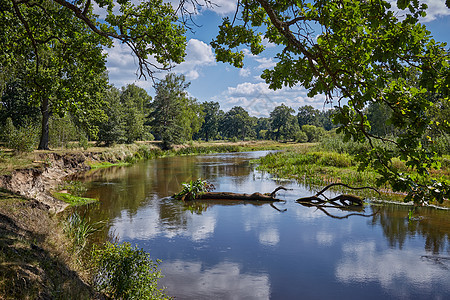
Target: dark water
[{"x": 245, "y": 251}]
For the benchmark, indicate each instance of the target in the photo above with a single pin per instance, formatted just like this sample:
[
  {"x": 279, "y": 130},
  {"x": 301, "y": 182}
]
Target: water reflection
[
  {"x": 225, "y": 281},
  {"x": 404, "y": 274},
  {"x": 236, "y": 250}
]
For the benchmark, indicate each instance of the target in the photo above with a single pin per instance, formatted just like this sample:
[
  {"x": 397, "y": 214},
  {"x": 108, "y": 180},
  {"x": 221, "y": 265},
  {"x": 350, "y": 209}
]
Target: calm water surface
[{"x": 219, "y": 250}]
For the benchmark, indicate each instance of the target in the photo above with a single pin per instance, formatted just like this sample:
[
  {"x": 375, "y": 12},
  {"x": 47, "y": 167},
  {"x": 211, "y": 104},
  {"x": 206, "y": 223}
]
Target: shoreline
[{"x": 35, "y": 257}]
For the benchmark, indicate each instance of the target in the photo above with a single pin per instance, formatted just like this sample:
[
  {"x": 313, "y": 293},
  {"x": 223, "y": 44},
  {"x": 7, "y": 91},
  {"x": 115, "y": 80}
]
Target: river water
[{"x": 236, "y": 250}]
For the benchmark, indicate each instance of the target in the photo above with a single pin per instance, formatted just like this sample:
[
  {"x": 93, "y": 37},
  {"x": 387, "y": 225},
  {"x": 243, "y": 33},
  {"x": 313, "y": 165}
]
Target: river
[{"x": 236, "y": 250}]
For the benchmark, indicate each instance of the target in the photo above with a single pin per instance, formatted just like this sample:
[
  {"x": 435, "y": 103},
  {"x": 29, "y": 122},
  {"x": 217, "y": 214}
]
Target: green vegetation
[
  {"x": 126, "y": 272},
  {"x": 193, "y": 189},
  {"x": 175, "y": 117},
  {"x": 360, "y": 56},
  {"x": 35, "y": 262},
  {"x": 78, "y": 229},
  {"x": 73, "y": 200}
]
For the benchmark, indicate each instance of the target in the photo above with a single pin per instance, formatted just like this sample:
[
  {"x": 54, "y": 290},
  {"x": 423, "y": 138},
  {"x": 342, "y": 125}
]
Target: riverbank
[
  {"x": 313, "y": 166},
  {"x": 35, "y": 260}
]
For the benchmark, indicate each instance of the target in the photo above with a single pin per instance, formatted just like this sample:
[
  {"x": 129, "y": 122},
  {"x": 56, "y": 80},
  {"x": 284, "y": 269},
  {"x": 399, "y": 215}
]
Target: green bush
[
  {"x": 313, "y": 133},
  {"x": 22, "y": 139},
  {"x": 125, "y": 272}
]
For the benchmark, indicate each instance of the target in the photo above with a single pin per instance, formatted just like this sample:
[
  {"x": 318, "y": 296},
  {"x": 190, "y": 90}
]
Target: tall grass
[{"x": 78, "y": 229}]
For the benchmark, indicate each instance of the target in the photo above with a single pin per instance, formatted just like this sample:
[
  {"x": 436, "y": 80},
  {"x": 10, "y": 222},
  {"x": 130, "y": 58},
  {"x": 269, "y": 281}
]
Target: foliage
[
  {"x": 62, "y": 131},
  {"x": 175, "y": 117},
  {"x": 76, "y": 188},
  {"x": 237, "y": 123},
  {"x": 355, "y": 53},
  {"x": 73, "y": 200},
  {"x": 313, "y": 133},
  {"x": 22, "y": 139},
  {"x": 135, "y": 102},
  {"x": 210, "y": 126},
  {"x": 78, "y": 229},
  {"x": 308, "y": 115},
  {"x": 112, "y": 130},
  {"x": 193, "y": 189},
  {"x": 15, "y": 104},
  {"x": 126, "y": 272},
  {"x": 58, "y": 45},
  {"x": 283, "y": 123}
]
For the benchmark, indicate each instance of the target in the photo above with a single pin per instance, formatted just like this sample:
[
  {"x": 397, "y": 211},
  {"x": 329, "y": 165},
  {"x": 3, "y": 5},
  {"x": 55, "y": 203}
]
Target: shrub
[
  {"x": 125, "y": 272},
  {"x": 22, "y": 139},
  {"x": 313, "y": 133}
]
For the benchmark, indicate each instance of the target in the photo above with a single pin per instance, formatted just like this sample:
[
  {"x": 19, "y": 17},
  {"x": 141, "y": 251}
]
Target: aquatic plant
[
  {"x": 78, "y": 229},
  {"x": 192, "y": 189}
]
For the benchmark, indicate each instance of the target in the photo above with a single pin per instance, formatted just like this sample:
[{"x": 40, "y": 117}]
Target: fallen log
[{"x": 237, "y": 196}]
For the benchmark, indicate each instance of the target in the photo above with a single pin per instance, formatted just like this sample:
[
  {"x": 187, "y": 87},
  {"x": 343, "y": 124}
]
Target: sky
[{"x": 230, "y": 86}]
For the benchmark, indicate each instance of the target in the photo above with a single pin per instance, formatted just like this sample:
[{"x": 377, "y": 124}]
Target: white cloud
[
  {"x": 183, "y": 279},
  {"x": 265, "y": 63},
  {"x": 362, "y": 262},
  {"x": 122, "y": 67},
  {"x": 268, "y": 44},
  {"x": 436, "y": 9},
  {"x": 244, "y": 72},
  {"x": 259, "y": 100},
  {"x": 222, "y": 7},
  {"x": 198, "y": 55}
]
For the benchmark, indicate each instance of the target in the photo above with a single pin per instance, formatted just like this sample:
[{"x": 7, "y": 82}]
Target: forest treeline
[{"x": 130, "y": 114}]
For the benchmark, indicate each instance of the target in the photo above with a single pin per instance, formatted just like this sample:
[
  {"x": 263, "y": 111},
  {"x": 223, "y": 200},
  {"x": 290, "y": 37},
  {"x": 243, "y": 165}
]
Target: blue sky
[{"x": 230, "y": 86}]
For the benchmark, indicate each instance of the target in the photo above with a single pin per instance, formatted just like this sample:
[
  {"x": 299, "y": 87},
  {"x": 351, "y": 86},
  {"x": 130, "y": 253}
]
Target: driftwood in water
[
  {"x": 345, "y": 199},
  {"x": 237, "y": 196}
]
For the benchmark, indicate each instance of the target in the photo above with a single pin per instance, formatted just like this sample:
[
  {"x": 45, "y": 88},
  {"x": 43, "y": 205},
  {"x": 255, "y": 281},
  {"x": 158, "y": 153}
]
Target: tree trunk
[
  {"x": 45, "y": 110},
  {"x": 237, "y": 196}
]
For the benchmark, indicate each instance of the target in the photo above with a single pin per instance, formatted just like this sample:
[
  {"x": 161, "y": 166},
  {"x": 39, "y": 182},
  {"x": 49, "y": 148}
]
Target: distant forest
[{"x": 130, "y": 114}]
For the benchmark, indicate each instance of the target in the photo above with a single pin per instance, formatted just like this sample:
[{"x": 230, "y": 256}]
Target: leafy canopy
[{"x": 355, "y": 53}]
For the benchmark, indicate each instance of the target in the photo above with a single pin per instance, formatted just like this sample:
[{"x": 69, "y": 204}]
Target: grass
[
  {"x": 311, "y": 165},
  {"x": 73, "y": 200},
  {"x": 34, "y": 259},
  {"x": 316, "y": 168}
]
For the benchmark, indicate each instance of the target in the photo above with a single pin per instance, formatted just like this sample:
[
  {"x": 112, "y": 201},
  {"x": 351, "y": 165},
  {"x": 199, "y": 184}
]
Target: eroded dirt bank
[{"x": 51, "y": 168}]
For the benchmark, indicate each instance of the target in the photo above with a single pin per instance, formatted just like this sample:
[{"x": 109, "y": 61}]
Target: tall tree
[
  {"x": 237, "y": 123},
  {"x": 15, "y": 103},
  {"x": 308, "y": 115},
  {"x": 284, "y": 123},
  {"x": 113, "y": 129},
  {"x": 59, "y": 44},
  {"x": 175, "y": 117},
  {"x": 210, "y": 126},
  {"x": 355, "y": 53},
  {"x": 135, "y": 102}
]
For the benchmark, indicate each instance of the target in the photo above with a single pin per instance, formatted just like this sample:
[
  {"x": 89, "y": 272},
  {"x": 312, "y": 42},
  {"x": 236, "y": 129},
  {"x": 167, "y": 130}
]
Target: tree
[
  {"x": 237, "y": 124},
  {"x": 113, "y": 129},
  {"x": 355, "y": 53},
  {"x": 262, "y": 127},
  {"x": 313, "y": 133},
  {"x": 308, "y": 115},
  {"x": 59, "y": 44},
  {"x": 15, "y": 103},
  {"x": 135, "y": 102},
  {"x": 379, "y": 114},
  {"x": 210, "y": 126},
  {"x": 175, "y": 117},
  {"x": 283, "y": 123}
]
